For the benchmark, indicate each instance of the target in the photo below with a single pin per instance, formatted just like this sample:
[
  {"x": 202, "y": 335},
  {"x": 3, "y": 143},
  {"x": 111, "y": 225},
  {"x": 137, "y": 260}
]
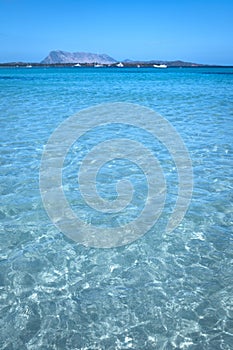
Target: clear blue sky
[{"x": 191, "y": 30}]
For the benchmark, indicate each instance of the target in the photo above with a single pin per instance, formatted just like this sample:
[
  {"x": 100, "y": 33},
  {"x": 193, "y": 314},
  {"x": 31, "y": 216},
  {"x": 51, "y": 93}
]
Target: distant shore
[{"x": 114, "y": 65}]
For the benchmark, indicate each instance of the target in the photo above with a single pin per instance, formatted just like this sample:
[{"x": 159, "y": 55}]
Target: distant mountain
[
  {"x": 128, "y": 60},
  {"x": 64, "y": 58},
  {"x": 59, "y": 56},
  {"x": 177, "y": 63}
]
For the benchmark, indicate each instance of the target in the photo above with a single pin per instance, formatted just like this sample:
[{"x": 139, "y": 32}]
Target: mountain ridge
[
  {"x": 65, "y": 57},
  {"x": 59, "y": 56}
]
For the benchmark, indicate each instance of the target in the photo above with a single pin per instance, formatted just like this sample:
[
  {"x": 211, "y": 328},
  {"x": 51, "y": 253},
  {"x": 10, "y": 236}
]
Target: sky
[{"x": 199, "y": 31}]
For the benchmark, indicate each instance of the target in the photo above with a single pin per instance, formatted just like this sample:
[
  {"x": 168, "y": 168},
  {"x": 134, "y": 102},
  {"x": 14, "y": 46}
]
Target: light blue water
[{"x": 164, "y": 291}]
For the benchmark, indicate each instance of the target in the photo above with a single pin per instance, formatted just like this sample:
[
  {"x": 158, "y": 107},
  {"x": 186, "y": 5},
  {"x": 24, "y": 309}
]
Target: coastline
[{"x": 114, "y": 65}]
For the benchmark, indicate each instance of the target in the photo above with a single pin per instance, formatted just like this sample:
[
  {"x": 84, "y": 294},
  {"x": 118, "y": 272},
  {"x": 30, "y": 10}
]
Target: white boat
[
  {"x": 98, "y": 65},
  {"x": 120, "y": 65},
  {"x": 28, "y": 66},
  {"x": 159, "y": 65},
  {"x": 138, "y": 66},
  {"x": 77, "y": 65}
]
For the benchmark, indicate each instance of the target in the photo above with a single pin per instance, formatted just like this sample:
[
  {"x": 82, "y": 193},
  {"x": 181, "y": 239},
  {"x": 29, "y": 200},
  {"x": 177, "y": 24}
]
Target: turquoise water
[{"x": 163, "y": 291}]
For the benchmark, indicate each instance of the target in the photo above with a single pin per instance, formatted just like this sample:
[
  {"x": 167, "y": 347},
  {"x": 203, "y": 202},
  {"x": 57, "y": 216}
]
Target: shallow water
[{"x": 163, "y": 291}]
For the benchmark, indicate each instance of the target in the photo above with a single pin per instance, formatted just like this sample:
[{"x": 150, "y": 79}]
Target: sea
[{"x": 164, "y": 290}]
